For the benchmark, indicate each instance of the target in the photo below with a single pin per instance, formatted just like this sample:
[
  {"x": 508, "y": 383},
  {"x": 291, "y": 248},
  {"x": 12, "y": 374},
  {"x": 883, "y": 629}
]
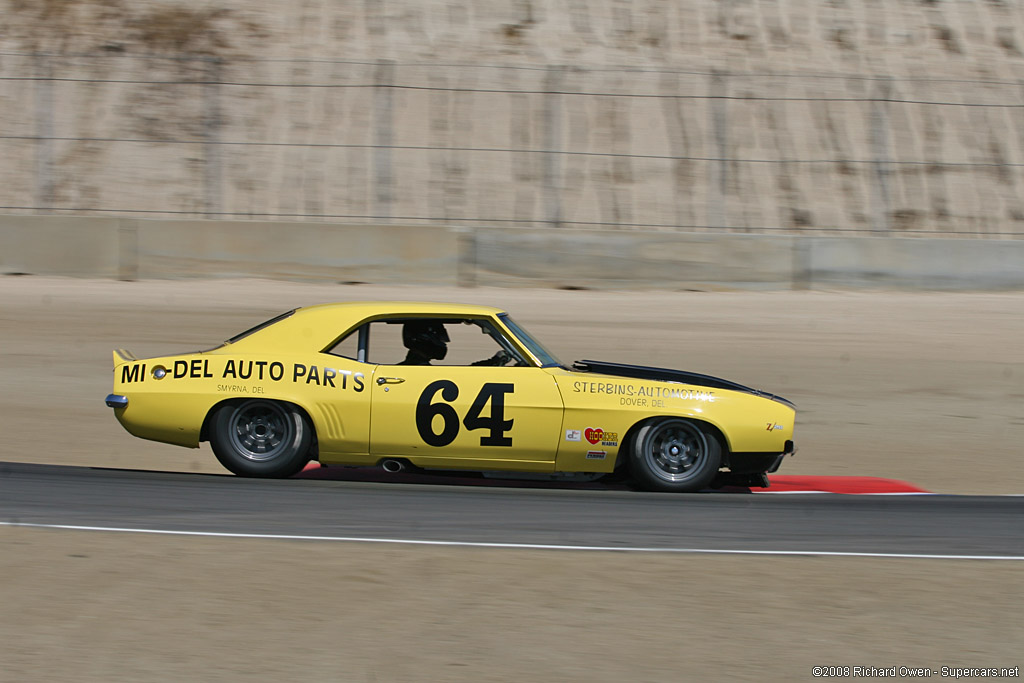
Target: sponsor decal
[
  {"x": 596, "y": 455},
  {"x": 596, "y": 436},
  {"x": 249, "y": 370},
  {"x": 774, "y": 427},
  {"x": 573, "y": 435},
  {"x": 643, "y": 395}
]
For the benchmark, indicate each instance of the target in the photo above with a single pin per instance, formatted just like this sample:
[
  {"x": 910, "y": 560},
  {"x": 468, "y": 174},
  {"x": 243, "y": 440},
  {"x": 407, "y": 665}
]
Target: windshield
[{"x": 546, "y": 358}]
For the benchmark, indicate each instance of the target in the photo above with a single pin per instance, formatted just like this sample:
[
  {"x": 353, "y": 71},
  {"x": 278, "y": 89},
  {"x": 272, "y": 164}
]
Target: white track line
[{"x": 517, "y": 546}]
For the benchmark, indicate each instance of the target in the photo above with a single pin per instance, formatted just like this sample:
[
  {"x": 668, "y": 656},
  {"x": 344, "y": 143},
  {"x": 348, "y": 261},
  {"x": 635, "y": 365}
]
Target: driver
[{"x": 427, "y": 340}]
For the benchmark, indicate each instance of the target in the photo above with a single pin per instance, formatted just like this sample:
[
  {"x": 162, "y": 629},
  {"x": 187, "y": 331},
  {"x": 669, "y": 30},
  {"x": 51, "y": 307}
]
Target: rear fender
[{"x": 204, "y": 431}]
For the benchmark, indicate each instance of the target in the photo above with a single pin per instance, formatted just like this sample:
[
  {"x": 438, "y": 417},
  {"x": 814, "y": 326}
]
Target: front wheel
[
  {"x": 260, "y": 438},
  {"x": 673, "y": 454}
]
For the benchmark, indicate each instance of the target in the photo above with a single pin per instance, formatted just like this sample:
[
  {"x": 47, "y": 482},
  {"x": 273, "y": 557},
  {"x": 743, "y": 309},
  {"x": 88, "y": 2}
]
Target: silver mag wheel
[
  {"x": 260, "y": 438},
  {"x": 672, "y": 454}
]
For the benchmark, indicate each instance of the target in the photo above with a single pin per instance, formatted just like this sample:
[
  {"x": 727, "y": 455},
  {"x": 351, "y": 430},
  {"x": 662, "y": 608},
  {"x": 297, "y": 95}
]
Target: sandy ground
[
  {"x": 922, "y": 387},
  {"x": 103, "y": 607}
]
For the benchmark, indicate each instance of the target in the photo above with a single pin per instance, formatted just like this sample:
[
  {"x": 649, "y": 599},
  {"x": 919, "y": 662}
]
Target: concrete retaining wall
[
  {"x": 603, "y": 260},
  {"x": 138, "y": 249},
  {"x": 294, "y": 251}
]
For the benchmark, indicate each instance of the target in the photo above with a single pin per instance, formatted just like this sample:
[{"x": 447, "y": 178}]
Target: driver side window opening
[{"x": 428, "y": 341}]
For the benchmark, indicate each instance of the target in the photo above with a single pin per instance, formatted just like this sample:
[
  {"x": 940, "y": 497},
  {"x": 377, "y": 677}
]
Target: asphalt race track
[{"x": 931, "y": 525}]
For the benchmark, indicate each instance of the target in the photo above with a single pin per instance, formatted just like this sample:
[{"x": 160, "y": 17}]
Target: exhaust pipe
[{"x": 392, "y": 466}]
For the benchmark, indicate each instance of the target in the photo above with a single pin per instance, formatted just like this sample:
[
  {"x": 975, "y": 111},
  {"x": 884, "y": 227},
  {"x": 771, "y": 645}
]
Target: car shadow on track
[{"x": 453, "y": 478}]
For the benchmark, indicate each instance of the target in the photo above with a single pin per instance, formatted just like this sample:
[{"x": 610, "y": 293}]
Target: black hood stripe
[{"x": 666, "y": 375}]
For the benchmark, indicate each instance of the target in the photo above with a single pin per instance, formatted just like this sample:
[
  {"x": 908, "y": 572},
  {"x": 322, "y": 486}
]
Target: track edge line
[{"x": 512, "y": 546}]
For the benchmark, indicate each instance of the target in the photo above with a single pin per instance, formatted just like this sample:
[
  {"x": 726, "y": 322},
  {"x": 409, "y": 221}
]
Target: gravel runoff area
[{"x": 922, "y": 387}]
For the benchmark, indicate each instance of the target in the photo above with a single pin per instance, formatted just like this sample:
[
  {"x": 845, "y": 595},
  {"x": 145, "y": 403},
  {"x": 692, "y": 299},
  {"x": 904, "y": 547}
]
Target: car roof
[
  {"x": 365, "y": 309},
  {"x": 314, "y": 327}
]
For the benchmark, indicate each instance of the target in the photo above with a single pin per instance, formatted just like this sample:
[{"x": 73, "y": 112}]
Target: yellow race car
[{"x": 446, "y": 387}]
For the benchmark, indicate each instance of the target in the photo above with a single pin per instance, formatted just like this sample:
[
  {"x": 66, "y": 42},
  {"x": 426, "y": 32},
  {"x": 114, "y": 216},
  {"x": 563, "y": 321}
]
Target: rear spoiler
[{"x": 122, "y": 356}]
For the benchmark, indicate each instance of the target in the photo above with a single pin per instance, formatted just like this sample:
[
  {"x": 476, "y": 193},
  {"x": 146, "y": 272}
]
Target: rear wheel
[
  {"x": 260, "y": 438},
  {"x": 673, "y": 454}
]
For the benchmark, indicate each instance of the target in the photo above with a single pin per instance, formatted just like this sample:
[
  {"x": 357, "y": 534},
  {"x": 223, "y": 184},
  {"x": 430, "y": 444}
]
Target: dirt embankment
[{"x": 866, "y": 118}]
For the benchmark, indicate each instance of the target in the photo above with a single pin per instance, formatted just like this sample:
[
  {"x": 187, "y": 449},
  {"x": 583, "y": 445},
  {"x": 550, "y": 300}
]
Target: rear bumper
[{"x": 116, "y": 401}]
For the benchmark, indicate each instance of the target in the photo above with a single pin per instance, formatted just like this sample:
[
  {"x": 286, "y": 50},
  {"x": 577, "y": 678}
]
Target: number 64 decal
[{"x": 495, "y": 423}]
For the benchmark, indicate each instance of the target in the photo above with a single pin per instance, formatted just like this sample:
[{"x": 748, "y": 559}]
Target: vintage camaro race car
[{"x": 446, "y": 387}]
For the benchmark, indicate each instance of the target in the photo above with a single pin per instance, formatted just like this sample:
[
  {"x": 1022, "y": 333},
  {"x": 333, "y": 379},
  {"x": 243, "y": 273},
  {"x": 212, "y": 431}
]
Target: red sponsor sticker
[{"x": 593, "y": 435}]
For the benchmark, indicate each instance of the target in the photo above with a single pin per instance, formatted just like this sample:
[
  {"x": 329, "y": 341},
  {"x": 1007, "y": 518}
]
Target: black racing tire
[
  {"x": 674, "y": 454},
  {"x": 261, "y": 438}
]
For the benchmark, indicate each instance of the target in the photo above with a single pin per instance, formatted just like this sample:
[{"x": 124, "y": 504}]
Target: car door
[{"x": 466, "y": 416}]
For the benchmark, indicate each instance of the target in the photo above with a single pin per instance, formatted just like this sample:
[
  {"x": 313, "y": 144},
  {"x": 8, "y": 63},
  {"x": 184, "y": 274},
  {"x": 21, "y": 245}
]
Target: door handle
[{"x": 390, "y": 380}]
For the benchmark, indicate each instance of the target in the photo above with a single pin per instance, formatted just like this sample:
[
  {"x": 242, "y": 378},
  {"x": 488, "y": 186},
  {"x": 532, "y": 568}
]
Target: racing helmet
[{"x": 426, "y": 337}]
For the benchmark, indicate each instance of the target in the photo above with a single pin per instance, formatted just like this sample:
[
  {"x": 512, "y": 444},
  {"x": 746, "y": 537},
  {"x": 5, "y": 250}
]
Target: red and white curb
[{"x": 864, "y": 486}]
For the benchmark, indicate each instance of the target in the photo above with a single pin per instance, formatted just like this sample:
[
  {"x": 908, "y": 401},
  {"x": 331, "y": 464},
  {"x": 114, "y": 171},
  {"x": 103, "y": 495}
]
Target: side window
[
  {"x": 469, "y": 345},
  {"x": 435, "y": 341},
  {"x": 386, "y": 346},
  {"x": 348, "y": 347}
]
